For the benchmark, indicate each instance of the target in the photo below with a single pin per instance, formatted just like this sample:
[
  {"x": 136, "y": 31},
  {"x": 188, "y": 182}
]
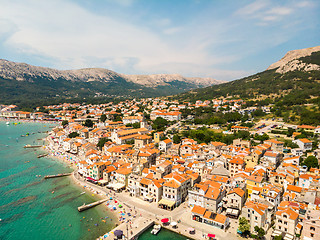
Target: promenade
[{"x": 150, "y": 212}]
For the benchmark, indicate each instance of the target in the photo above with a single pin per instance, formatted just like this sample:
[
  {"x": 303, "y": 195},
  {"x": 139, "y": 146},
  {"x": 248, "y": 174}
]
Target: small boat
[
  {"x": 8, "y": 123},
  {"x": 156, "y": 229},
  {"x": 82, "y": 193}
]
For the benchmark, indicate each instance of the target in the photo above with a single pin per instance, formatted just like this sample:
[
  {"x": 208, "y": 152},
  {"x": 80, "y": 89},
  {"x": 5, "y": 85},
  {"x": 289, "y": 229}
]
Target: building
[
  {"x": 234, "y": 202},
  {"x": 202, "y": 215},
  {"x": 257, "y": 215},
  {"x": 311, "y": 225},
  {"x": 286, "y": 222},
  {"x": 165, "y": 145},
  {"x": 304, "y": 144}
]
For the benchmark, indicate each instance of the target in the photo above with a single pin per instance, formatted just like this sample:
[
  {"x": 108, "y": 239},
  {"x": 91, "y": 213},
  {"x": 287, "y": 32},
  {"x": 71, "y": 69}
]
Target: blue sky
[{"x": 195, "y": 38}]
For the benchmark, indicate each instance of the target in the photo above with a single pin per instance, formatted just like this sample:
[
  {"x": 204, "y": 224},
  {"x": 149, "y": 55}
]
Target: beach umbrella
[
  {"x": 211, "y": 235},
  {"x": 118, "y": 233},
  {"x": 164, "y": 220},
  {"x": 173, "y": 224}
]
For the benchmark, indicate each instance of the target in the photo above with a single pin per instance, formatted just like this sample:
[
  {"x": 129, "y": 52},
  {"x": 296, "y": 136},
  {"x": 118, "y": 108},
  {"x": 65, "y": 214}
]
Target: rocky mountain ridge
[
  {"x": 23, "y": 72},
  {"x": 291, "y": 61}
]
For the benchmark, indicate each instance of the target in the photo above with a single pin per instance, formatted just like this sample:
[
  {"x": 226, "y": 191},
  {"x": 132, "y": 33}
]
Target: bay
[{"x": 28, "y": 208}]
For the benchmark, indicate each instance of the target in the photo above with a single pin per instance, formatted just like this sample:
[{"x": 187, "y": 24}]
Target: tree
[
  {"x": 88, "y": 123},
  {"x": 136, "y": 125},
  {"x": 176, "y": 139},
  {"x": 103, "y": 118},
  {"x": 311, "y": 162},
  {"x": 64, "y": 123},
  {"x": 278, "y": 238},
  {"x": 101, "y": 142},
  {"x": 260, "y": 231},
  {"x": 159, "y": 124},
  {"x": 244, "y": 226},
  {"x": 73, "y": 135}
]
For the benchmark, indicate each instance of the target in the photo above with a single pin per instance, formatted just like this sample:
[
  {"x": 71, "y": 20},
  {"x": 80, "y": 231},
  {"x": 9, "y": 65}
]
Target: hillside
[
  {"x": 292, "y": 80},
  {"x": 23, "y": 84}
]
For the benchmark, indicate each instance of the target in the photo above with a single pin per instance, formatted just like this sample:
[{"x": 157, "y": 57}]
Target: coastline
[{"x": 71, "y": 161}]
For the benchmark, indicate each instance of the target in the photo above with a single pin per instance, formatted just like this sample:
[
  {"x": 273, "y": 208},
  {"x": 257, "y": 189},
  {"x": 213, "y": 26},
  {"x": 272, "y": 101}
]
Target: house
[
  {"x": 276, "y": 146},
  {"x": 311, "y": 225},
  {"x": 203, "y": 215},
  {"x": 234, "y": 201},
  {"x": 235, "y": 165},
  {"x": 286, "y": 222},
  {"x": 122, "y": 175},
  {"x": 165, "y": 145},
  {"x": 208, "y": 195},
  {"x": 304, "y": 144},
  {"x": 175, "y": 190},
  {"x": 253, "y": 182},
  {"x": 257, "y": 215}
]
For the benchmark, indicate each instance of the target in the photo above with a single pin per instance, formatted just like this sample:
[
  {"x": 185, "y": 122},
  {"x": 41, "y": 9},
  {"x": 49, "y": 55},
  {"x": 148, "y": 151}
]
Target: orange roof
[
  {"x": 172, "y": 184},
  {"x": 294, "y": 188},
  {"x": 198, "y": 210},
  {"x": 237, "y": 191},
  {"x": 304, "y": 140},
  {"x": 124, "y": 171}
]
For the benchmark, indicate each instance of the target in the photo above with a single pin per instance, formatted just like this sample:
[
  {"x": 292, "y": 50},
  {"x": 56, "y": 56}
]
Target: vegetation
[
  {"x": 73, "y": 135},
  {"x": 160, "y": 124},
  {"x": 244, "y": 226},
  {"x": 101, "y": 142},
  {"x": 310, "y": 162},
  {"x": 64, "y": 123},
  {"x": 207, "y": 135},
  {"x": 103, "y": 118},
  {"x": 88, "y": 123}
]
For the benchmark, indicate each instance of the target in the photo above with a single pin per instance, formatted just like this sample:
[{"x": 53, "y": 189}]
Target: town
[{"x": 244, "y": 171}]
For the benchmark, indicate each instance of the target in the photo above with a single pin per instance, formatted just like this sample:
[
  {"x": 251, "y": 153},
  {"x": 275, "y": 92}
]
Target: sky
[{"x": 225, "y": 40}]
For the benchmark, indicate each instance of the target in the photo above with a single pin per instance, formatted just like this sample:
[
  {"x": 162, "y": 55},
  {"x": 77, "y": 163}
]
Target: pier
[
  {"x": 57, "y": 175},
  {"x": 87, "y": 206},
  {"x": 32, "y": 146},
  {"x": 132, "y": 231}
]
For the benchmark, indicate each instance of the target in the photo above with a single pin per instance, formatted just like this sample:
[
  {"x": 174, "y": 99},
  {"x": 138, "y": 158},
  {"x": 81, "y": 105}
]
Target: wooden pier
[
  {"x": 57, "y": 175},
  {"x": 87, "y": 206}
]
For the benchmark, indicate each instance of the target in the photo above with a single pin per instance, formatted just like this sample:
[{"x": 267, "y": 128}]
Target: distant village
[{"x": 272, "y": 188}]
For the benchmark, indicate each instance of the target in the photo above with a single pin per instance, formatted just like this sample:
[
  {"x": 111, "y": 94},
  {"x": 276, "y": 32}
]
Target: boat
[
  {"x": 82, "y": 193},
  {"x": 156, "y": 229},
  {"x": 8, "y": 123},
  {"x": 42, "y": 155}
]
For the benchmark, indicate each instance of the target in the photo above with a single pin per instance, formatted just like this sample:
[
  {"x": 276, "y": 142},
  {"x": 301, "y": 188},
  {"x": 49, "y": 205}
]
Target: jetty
[
  {"x": 57, "y": 175},
  {"x": 87, "y": 206},
  {"x": 32, "y": 146},
  {"x": 42, "y": 155}
]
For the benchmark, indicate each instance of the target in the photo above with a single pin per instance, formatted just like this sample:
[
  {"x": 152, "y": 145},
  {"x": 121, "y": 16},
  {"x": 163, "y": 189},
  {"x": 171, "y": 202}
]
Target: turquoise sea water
[
  {"x": 164, "y": 234},
  {"x": 28, "y": 208}
]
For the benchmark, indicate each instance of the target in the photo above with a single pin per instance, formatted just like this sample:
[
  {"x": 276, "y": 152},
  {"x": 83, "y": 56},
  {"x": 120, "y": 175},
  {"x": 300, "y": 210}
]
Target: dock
[
  {"x": 57, "y": 175},
  {"x": 132, "y": 231},
  {"x": 32, "y": 146},
  {"x": 87, "y": 206}
]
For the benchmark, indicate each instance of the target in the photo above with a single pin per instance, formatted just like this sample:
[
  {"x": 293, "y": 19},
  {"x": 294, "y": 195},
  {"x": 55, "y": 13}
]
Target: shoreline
[{"x": 71, "y": 161}]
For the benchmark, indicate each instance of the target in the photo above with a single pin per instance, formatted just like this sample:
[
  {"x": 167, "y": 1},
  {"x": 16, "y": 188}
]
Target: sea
[
  {"x": 34, "y": 208},
  {"x": 164, "y": 234}
]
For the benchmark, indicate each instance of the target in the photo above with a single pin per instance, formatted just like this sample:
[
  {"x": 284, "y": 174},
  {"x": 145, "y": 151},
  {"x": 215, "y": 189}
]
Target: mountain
[
  {"x": 294, "y": 79},
  {"x": 20, "y": 83}
]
